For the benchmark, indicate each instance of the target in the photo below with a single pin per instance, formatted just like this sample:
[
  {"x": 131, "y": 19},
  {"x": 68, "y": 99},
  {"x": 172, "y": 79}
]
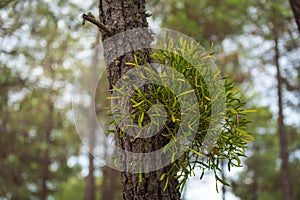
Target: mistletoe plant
[{"x": 232, "y": 138}]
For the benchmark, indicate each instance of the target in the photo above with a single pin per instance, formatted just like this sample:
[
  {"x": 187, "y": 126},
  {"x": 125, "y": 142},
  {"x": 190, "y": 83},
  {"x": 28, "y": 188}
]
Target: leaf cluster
[{"x": 233, "y": 137}]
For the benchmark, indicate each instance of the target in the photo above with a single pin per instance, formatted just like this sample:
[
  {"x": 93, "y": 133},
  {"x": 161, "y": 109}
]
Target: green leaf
[
  {"x": 166, "y": 184},
  {"x": 162, "y": 176},
  {"x": 186, "y": 92},
  {"x": 131, "y": 64},
  {"x": 137, "y": 104},
  {"x": 140, "y": 177},
  {"x": 141, "y": 118},
  {"x": 196, "y": 152}
]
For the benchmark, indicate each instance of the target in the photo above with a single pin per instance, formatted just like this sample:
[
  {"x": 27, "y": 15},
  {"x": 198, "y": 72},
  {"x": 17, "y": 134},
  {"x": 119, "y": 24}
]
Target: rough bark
[
  {"x": 119, "y": 16},
  {"x": 282, "y": 133},
  {"x": 295, "y": 5}
]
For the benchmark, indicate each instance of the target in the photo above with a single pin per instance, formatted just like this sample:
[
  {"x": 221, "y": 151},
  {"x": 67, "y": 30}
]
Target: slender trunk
[
  {"x": 284, "y": 154},
  {"x": 122, "y": 15},
  {"x": 111, "y": 184},
  {"x": 46, "y": 159},
  {"x": 89, "y": 193},
  {"x": 255, "y": 188},
  {"x": 255, "y": 178},
  {"x": 110, "y": 188},
  {"x": 90, "y": 189}
]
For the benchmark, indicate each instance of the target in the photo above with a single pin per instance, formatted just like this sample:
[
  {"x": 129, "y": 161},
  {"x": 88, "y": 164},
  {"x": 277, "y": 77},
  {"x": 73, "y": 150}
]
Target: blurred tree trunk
[
  {"x": 90, "y": 188},
  {"x": 295, "y": 5},
  {"x": 46, "y": 159},
  {"x": 284, "y": 154},
  {"x": 89, "y": 193},
  {"x": 255, "y": 178},
  {"x": 255, "y": 188},
  {"x": 122, "y": 15},
  {"x": 111, "y": 184}
]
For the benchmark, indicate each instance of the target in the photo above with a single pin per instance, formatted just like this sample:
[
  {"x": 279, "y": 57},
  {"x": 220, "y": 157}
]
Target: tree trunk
[
  {"x": 90, "y": 188},
  {"x": 295, "y": 5},
  {"x": 119, "y": 16},
  {"x": 255, "y": 187},
  {"x": 284, "y": 154},
  {"x": 46, "y": 159},
  {"x": 89, "y": 193},
  {"x": 111, "y": 184}
]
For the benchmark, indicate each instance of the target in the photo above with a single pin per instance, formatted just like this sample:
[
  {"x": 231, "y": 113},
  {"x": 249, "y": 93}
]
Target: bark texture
[
  {"x": 119, "y": 16},
  {"x": 282, "y": 133}
]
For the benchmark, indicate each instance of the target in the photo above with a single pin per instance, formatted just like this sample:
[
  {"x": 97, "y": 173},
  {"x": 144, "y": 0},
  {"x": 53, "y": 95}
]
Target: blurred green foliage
[{"x": 37, "y": 138}]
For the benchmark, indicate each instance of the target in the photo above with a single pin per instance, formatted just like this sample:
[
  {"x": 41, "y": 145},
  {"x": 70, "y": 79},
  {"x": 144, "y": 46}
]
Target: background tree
[
  {"x": 275, "y": 29},
  {"x": 37, "y": 129}
]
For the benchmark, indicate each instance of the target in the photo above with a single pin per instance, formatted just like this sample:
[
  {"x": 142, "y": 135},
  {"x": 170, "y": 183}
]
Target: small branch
[
  {"x": 290, "y": 87},
  {"x": 93, "y": 20}
]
